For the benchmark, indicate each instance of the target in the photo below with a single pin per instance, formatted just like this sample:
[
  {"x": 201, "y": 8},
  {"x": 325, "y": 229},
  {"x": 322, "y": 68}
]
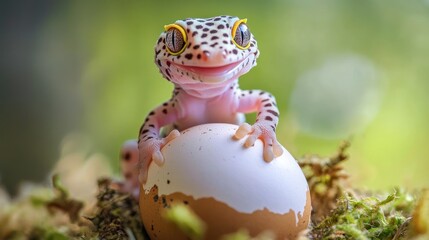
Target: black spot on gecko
[
  {"x": 151, "y": 113},
  {"x": 268, "y": 118},
  {"x": 199, "y": 26},
  {"x": 214, "y": 38},
  {"x": 204, "y": 35},
  {"x": 165, "y": 104},
  {"x": 164, "y": 111},
  {"x": 265, "y": 99},
  {"x": 273, "y": 112},
  {"x": 186, "y": 202},
  {"x": 199, "y": 56},
  {"x": 206, "y": 30},
  {"x": 235, "y": 51},
  {"x": 262, "y": 93},
  {"x": 155, "y": 198},
  {"x": 168, "y": 73},
  {"x": 268, "y": 105},
  {"x": 145, "y": 131},
  {"x": 221, "y": 26},
  {"x": 196, "y": 46},
  {"x": 189, "y": 56},
  {"x": 213, "y": 31},
  {"x": 194, "y": 33}
]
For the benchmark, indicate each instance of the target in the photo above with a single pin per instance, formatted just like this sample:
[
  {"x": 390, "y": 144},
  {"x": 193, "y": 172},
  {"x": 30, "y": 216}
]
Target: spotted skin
[{"x": 205, "y": 77}]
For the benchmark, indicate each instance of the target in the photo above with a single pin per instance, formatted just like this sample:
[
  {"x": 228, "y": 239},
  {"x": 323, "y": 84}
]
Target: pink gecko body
[{"x": 203, "y": 58}]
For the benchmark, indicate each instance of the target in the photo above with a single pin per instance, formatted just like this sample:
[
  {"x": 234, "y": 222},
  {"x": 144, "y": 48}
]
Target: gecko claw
[
  {"x": 242, "y": 131},
  {"x": 277, "y": 149},
  {"x": 268, "y": 154},
  {"x": 172, "y": 135},
  {"x": 158, "y": 158},
  {"x": 250, "y": 141}
]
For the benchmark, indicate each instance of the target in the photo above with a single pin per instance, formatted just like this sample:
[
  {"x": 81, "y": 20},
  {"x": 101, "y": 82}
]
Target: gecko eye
[
  {"x": 175, "y": 39},
  {"x": 241, "y": 34}
]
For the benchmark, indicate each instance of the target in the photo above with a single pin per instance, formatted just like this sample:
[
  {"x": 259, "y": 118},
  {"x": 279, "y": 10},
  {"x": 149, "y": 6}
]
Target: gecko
[{"x": 203, "y": 58}]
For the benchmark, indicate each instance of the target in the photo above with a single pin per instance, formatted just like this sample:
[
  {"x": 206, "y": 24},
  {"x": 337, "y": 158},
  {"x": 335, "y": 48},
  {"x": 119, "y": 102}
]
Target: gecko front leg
[
  {"x": 265, "y": 125},
  {"x": 150, "y": 142}
]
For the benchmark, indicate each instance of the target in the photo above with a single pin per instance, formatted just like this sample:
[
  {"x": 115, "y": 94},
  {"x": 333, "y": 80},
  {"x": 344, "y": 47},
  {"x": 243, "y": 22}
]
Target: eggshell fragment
[{"x": 228, "y": 186}]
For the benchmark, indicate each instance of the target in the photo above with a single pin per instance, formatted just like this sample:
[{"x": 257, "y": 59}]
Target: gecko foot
[
  {"x": 150, "y": 150},
  {"x": 272, "y": 147}
]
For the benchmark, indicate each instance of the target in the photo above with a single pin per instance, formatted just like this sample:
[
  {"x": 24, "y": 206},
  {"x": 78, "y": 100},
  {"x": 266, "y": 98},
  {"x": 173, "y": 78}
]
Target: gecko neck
[{"x": 207, "y": 90}]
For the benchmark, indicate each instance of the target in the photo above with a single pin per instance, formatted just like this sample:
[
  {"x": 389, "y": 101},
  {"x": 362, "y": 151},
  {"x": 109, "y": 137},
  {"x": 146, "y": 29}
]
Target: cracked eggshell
[{"x": 228, "y": 186}]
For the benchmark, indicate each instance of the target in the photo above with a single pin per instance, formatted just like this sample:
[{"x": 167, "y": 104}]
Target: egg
[{"x": 228, "y": 186}]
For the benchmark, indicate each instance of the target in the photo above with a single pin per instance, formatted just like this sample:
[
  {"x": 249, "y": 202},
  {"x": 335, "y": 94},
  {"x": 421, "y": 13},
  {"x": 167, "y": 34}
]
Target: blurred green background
[{"x": 340, "y": 69}]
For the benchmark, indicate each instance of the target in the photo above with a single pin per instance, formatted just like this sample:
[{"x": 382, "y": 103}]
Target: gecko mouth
[{"x": 211, "y": 72}]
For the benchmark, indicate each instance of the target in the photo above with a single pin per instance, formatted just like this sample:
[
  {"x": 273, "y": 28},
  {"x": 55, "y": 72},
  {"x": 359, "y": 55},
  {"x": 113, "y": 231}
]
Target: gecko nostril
[
  {"x": 224, "y": 53},
  {"x": 205, "y": 55}
]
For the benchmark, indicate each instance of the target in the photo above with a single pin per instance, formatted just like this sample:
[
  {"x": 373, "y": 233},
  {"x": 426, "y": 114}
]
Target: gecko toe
[
  {"x": 158, "y": 158},
  {"x": 242, "y": 131},
  {"x": 277, "y": 149}
]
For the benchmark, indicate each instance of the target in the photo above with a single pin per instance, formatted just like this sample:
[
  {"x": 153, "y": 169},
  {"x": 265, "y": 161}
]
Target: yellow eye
[
  {"x": 175, "y": 39},
  {"x": 241, "y": 34}
]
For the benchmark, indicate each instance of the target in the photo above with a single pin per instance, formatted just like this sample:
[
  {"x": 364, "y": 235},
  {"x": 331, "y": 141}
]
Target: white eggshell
[{"x": 205, "y": 161}]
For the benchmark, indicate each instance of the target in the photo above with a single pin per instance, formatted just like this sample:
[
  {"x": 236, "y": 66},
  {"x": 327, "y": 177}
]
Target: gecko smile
[{"x": 211, "y": 70}]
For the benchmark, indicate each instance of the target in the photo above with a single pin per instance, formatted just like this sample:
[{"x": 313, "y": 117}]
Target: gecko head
[{"x": 212, "y": 50}]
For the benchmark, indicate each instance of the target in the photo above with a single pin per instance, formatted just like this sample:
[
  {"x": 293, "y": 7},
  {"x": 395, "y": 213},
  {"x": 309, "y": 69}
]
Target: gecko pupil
[
  {"x": 242, "y": 35},
  {"x": 174, "y": 40}
]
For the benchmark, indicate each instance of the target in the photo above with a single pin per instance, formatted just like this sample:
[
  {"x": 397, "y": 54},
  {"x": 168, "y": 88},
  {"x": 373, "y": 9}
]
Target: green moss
[{"x": 364, "y": 218}]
